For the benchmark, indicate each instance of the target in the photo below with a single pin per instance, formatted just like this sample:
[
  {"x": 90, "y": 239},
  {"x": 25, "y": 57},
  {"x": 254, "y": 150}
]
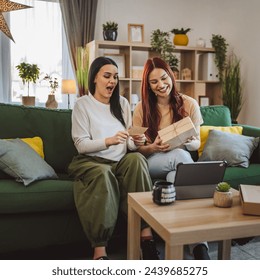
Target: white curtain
[{"x": 25, "y": 48}]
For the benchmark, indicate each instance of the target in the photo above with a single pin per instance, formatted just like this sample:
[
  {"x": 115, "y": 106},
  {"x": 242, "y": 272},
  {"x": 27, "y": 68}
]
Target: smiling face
[
  {"x": 160, "y": 83},
  {"x": 106, "y": 81}
]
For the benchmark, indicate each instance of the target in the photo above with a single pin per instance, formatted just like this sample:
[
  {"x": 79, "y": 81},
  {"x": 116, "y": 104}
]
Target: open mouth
[{"x": 110, "y": 88}]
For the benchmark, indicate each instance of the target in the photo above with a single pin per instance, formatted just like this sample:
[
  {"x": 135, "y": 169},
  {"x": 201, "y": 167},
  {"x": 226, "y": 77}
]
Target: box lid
[{"x": 250, "y": 193}]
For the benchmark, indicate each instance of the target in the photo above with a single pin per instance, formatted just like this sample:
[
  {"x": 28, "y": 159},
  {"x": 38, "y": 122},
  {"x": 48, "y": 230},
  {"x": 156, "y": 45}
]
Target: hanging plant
[
  {"x": 82, "y": 68},
  {"x": 160, "y": 42},
  {"x": 220, "y": 45}
]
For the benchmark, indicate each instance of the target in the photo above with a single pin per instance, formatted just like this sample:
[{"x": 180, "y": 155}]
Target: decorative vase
[
  {"x": 110, "y": 35},
  {"x": 180, "y": 40},
  {"x": 51, "y": 102},
  {"x": 223, "y": 199},
  {"x": 28, "y": 100},
  {"x": 201, "y": 43}
]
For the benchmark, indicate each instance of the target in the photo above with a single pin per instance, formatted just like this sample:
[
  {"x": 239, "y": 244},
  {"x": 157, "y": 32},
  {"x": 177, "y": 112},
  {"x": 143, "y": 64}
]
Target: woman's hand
[
  {"x": 119, "y": 138},
  {"x": 139, "y": 140},
  {"x": 158, "y": 147},
  {"x": 190, "y": 139}
]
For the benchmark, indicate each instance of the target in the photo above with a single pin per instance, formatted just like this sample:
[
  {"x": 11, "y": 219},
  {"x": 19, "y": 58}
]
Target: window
[{"x": 37, "y": 33}]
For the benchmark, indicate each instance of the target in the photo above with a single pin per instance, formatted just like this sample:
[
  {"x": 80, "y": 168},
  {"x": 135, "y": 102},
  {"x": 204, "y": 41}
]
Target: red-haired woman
[{"x": 161, "y": 106}]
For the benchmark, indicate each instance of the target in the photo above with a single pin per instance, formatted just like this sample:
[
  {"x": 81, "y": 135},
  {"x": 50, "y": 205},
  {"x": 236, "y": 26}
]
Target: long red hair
[{"x": 151, "y": 114}]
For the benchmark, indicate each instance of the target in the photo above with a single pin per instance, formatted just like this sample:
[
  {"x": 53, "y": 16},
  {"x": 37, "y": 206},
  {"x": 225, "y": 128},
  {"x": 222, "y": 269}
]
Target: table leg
[
  {"x": 133, "y": 235},
  {"x": 224, "y": 249},
  {"x": 173, "y": 252}
]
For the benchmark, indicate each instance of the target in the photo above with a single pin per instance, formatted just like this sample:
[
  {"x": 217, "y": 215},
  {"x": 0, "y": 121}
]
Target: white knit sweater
[{"x": 92, "y": 122}]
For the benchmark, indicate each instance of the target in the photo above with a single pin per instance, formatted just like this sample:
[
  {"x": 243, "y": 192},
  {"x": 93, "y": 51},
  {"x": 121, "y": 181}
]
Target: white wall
[{"x": 236, "y": 20}]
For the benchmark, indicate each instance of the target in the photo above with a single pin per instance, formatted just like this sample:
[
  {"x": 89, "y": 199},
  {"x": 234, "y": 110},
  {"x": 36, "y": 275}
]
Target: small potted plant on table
[
  {"x": 110, "y": 30},
  {"x": 28, "y": 73},
  {"x": 180, "y": 36},
  {"x": 223, "y": 195}
]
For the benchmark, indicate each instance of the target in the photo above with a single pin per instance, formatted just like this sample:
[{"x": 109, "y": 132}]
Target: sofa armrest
[{"x": 252, "y": 131}]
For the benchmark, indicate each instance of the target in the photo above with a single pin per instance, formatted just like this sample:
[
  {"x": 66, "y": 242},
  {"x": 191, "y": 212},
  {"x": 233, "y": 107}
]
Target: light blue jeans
[{"x": 163, "y": 166}]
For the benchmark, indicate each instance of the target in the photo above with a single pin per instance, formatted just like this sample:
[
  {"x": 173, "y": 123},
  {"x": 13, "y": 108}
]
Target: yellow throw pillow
[
  {"x": 36, "y": 144},
  {"x": 204, "y": 133}
]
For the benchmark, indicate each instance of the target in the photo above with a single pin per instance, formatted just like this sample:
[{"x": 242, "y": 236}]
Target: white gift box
[{"x": 178, "y": 133}]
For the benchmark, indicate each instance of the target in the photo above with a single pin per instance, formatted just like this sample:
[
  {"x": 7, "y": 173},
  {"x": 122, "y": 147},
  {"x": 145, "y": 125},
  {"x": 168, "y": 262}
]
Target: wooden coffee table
[{"x": 187, "y": 222}]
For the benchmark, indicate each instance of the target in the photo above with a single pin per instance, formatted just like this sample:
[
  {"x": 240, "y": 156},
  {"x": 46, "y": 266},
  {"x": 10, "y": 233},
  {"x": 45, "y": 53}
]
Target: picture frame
[
  {"x": 135, "y": 33},
  {"x": 120, "y": 61},
  {"x": 203, "y": 100}
]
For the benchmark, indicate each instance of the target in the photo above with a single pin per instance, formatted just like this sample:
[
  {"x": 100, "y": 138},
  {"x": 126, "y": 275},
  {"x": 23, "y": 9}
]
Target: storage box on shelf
[{"x": 132, "y": 57}]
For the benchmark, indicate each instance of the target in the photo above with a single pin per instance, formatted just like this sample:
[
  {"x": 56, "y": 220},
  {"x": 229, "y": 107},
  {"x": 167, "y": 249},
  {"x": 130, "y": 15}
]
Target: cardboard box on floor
[
  {"x": 177, "y": 133},
  {"x": 250, "y": 199}
]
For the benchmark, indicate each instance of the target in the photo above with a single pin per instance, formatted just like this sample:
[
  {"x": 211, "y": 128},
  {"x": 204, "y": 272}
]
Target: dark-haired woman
[
  {"x": 104, "y": 172},
  {"x": 161, "y": 106}
]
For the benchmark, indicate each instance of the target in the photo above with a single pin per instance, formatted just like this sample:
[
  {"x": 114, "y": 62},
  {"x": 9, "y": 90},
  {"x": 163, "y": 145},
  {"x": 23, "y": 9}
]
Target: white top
[{"x": 92, "y": 122}]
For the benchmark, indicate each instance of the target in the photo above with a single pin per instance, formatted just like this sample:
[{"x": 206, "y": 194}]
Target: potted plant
[
  {"x": 223, "y": 195},
  {"x": 160, "y": 43},
  {"x": 28, "y": 73},
  {"x": 220, "y": 45},
  {"x": 231, "y": 87},
  {"x": 82, "y": 68},
  {"x": 180, "y": 36},
  {"x": 110, "y": 30},
  {"x": 54, "y": 84}
]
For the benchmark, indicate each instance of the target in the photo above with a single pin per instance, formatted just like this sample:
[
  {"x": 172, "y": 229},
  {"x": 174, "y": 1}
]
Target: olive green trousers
[{"x": 100, "y": 191}]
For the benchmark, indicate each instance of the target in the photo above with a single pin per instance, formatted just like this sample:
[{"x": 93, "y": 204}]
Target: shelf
[{"x": 136, "y": 54}]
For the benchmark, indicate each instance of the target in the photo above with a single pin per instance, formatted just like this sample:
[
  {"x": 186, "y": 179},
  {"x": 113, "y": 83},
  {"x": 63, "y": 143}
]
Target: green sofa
[
  {"x": 43, "y": 214},
  {"x": 220, "y": 116}
]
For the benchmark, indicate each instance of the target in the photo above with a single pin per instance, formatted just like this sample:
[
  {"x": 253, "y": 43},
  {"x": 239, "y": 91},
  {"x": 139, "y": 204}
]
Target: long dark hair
[
  {"x": 151, "y": 114},
  {"x": 115, "y": 106}
]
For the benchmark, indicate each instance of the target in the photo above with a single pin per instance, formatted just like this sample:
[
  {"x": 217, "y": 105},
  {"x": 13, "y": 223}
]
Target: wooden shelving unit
[{"x": 132, "y": 56}]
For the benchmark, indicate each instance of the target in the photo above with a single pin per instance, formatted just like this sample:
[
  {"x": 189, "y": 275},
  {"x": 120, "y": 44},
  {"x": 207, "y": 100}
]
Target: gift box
[
  {"x": 250, "y": 199},
  {"x": 177, "y": 133}
]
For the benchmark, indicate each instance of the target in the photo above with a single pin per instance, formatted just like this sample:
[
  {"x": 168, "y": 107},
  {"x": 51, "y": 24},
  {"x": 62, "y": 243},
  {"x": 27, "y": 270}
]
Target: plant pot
[
  {"x": 51, "y": 102},
  {"x": 180, "y": 40},
  {"x": 28, "y": 100},
  {"x": 223, "y": 199},
  {"x": 110, "y": 35}
]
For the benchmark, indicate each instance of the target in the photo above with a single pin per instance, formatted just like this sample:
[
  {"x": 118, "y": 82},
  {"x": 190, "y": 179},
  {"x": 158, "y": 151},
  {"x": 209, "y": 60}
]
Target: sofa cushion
[
  {"x": 234, "y": 148},
  {"x": 217, "y": 115},
  {"x": 204, "y": 133},
  {"x": 35, "y": 143},
  {"x": 239, "y": 175},
  {"x": 46, "y": 195},
  {"x": 52, "y": 125},
  {"x": 20, "y": 161}
]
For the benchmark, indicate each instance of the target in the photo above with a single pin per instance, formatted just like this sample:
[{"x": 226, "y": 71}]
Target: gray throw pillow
[
  {"x": 234, "y": 148},
  {"x": 20, "y": 161}
]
